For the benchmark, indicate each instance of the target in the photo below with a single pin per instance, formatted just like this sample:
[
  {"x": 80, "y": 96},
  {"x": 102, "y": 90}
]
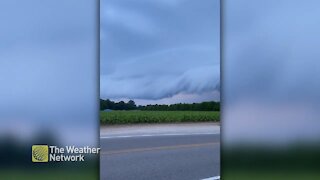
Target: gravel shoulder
[{"x": 158, "y": 129}]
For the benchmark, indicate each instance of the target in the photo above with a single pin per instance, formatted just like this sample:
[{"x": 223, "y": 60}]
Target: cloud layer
[{"x": 159, "y": 49}]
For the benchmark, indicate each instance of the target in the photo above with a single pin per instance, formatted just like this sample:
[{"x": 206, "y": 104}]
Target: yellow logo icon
[{"x": 40, "y": 153}]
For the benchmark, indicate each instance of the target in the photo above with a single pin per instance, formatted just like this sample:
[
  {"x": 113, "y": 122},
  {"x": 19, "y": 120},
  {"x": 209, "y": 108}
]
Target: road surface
[{"x": 160, "y": 152}]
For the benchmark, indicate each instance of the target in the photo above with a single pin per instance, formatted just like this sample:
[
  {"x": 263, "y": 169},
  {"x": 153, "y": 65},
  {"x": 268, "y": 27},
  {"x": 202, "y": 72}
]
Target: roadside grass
[{"x": 136, "y": 117}]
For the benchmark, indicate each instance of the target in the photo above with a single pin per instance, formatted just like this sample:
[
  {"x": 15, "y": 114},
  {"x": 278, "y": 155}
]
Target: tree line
[{"x": 131, "y": 105}]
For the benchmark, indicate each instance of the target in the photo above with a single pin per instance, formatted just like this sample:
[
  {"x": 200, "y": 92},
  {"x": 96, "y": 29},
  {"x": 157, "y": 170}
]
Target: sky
[
  {"x": 271, "y": 71},
  {"x": 48, "y": 68},
  {"x": 160, "y": 51}
]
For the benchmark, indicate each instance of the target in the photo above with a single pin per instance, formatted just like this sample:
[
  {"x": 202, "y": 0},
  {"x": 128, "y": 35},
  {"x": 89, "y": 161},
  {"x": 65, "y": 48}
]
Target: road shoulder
[{"x": 159, "y": 129}]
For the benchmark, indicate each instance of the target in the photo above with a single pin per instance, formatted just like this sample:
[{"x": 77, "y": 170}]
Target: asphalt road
[{"x": 160, "y": 156}]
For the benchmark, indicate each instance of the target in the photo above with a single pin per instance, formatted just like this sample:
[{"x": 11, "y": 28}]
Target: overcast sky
[
  {"x": 271, "y": 72},
  {"x": 48, "y": 69},
  {"x": 160, "y": 51}
]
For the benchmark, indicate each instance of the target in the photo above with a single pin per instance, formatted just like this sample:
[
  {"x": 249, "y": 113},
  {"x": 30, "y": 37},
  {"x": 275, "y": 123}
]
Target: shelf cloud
[{"x": 158, "y": 50}]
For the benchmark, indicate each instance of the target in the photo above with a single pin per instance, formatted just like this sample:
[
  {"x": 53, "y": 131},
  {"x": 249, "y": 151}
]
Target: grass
[{"x": 135, "y": 117}]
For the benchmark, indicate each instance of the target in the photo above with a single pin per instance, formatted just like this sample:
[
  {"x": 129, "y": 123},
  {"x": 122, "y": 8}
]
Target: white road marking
[
  {"x": 153, "y": 135},
  {"x": 213, "y": 178}
]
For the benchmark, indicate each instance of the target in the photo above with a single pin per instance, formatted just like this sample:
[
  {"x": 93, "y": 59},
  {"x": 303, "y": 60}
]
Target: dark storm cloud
[{"x": 158, "y": 49}]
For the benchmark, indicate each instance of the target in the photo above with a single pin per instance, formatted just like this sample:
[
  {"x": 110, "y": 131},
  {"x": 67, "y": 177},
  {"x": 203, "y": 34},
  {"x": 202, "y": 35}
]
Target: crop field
[{"x": 135, "y": 117}]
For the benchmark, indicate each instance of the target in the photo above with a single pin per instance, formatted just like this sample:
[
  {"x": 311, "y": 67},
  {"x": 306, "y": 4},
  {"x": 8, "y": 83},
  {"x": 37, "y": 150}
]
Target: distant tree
[{"x": 131, "y": 105}]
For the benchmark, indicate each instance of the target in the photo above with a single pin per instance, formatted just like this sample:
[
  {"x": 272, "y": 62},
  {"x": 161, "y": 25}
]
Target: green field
[{"x": 135, "y": 117}]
